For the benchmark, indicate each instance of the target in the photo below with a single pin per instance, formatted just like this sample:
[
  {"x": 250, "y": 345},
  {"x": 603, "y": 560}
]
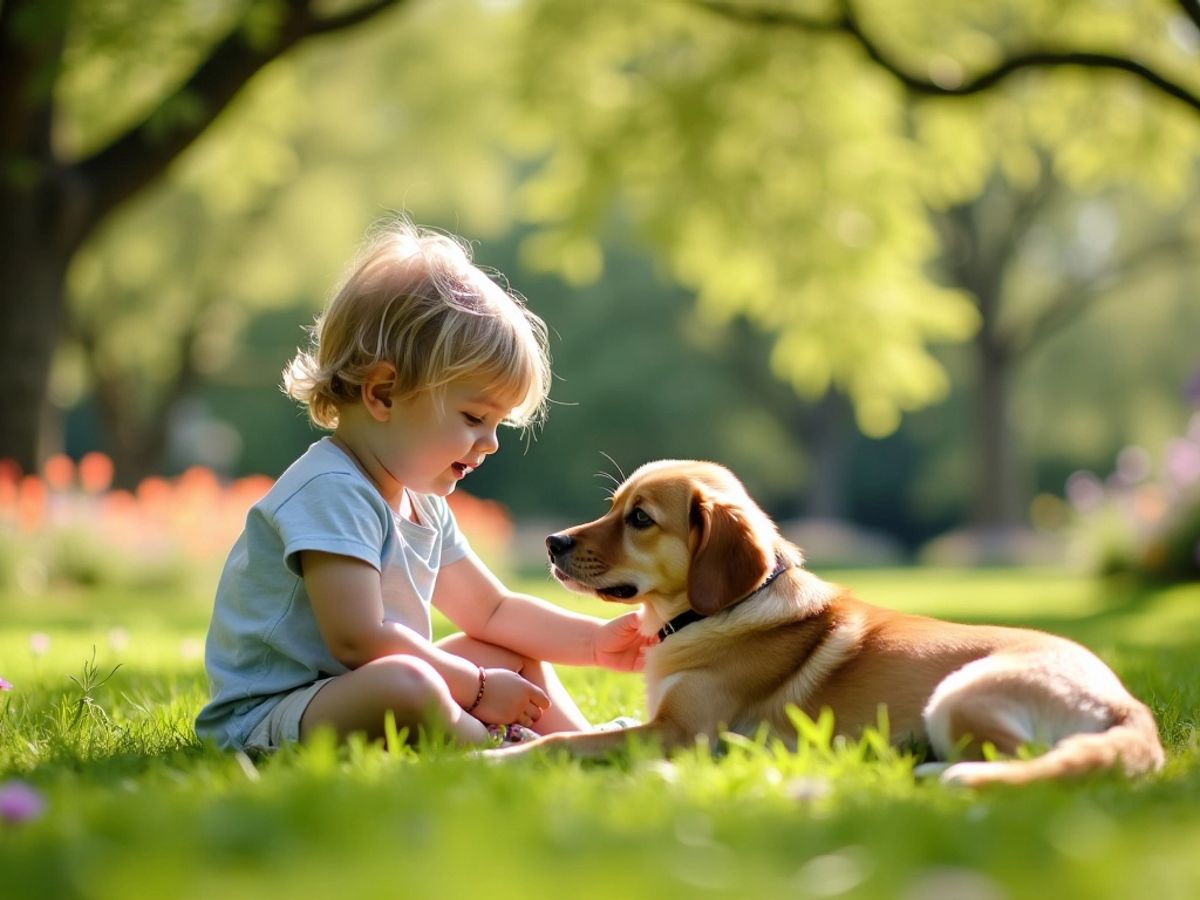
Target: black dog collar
[{"x": 687, "y": 617}]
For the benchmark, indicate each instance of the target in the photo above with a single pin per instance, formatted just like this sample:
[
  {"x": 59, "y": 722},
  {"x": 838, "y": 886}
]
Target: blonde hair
[{"x": 414, "y": 299}]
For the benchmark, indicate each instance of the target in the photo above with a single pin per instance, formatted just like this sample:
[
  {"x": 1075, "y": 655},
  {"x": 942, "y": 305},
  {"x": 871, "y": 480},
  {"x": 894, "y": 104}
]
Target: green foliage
[
  {"x": 122, "y": 57},
  {"x": 773, "y": 174},
  {"x": 265, "y": 210},
  {"x": 639, "y": 375},
  {"x": 784, "y": 177},
  {"x": 777, "y": 174}
]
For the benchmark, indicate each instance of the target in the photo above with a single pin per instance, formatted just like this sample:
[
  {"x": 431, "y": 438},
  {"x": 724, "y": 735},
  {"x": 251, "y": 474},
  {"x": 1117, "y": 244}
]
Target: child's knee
[{"x": 409, "y": 682}]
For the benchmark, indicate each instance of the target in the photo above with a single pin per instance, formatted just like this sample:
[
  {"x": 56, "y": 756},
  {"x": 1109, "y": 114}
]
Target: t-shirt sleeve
[
  {"x": 454, "y": 543},
  {"x": 333, "y": 513}
]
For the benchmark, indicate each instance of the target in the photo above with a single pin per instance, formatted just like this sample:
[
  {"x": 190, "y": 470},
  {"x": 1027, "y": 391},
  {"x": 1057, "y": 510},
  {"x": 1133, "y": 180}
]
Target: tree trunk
[
  {"x": 32, "y": 275},
  {"x": 998, "y": 491},
  {"x": 830, "y": 434},
  {"x": 980, "y": 239}
]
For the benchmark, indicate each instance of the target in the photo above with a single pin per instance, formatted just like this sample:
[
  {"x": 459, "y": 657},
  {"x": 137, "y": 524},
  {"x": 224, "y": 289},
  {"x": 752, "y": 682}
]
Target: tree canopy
[
  {"x": 788, "y": 163},
  {"x": 782, "y": 155}
]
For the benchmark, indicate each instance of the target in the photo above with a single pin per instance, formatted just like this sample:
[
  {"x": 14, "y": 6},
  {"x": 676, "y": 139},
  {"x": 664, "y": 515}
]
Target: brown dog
[{"x": 746, "y": 632}]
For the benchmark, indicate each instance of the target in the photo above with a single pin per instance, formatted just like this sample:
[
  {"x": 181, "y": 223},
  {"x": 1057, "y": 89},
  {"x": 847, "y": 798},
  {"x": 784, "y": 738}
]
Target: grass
[{"x": 136, "y": 808}]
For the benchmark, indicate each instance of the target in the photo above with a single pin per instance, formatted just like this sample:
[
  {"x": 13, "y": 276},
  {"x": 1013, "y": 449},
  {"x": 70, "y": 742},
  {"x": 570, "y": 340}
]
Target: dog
[{"x": 746, "y": 631}]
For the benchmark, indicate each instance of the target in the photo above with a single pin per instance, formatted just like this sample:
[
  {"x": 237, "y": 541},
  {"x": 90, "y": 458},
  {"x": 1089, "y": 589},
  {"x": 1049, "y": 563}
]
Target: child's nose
[{"x": 488, "y": 442}]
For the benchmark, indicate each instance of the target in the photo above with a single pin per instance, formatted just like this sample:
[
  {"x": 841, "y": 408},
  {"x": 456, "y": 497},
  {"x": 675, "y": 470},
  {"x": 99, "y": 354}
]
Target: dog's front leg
[{"x": 598, "y": 744}]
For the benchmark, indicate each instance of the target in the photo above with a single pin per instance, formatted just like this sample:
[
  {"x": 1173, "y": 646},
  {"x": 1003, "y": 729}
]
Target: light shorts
[{"x": 282, "y": 724}]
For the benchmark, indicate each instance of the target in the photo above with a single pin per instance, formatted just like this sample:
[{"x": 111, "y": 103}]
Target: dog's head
[{"x": 675, "y": 529}]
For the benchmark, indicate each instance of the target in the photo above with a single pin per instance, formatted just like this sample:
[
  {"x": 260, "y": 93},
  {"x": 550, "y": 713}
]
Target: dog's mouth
[
  {"x": 614, "y": 592},
  {"x": 567, "y": 581},
  {"x": 619, "y": 591}
]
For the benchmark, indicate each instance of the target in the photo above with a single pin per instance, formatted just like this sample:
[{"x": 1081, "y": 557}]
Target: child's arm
[
  {"x": 478, "y": 603},
  {"x": 347, "y": 601}
]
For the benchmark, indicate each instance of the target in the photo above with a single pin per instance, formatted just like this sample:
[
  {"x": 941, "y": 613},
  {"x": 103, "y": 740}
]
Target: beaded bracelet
[{"x": 479, "y": 696}]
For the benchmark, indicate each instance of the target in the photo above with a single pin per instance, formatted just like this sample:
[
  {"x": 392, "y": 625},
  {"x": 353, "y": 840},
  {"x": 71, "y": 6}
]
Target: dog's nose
[{"x": 559, "y": 544}]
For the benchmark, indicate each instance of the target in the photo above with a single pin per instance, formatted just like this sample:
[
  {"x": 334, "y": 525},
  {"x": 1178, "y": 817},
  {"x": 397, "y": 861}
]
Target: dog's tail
[{"x": 1131, "y": 742}]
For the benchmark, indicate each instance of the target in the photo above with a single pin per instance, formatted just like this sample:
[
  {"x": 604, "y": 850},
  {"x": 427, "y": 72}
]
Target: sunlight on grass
[{"x": 134, "y": 807}]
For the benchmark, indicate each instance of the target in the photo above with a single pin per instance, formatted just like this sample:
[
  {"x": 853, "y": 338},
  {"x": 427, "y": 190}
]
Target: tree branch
[
  {"x": 116, "y": 172},
  {"x": 1191, "y": 9},
  {"x": 1077, "y": 295},
  {"x": 352, "y": 17},
  {"x": 848, "y": 23}
]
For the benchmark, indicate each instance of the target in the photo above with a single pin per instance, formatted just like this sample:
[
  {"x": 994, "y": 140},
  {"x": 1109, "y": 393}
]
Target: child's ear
[{"x": 377, "y": 390}]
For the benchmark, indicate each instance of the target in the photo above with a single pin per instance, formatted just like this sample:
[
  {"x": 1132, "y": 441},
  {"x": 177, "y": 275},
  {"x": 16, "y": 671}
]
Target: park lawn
[{"x": 136, "y": 808}]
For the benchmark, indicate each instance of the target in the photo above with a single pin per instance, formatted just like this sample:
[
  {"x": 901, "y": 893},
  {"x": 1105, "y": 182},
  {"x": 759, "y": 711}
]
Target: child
[{"x": 322, "y": 612}]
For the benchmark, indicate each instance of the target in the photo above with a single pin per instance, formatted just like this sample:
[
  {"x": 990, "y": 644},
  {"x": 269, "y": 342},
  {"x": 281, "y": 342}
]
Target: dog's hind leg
[{"x": 1012, "y": 702}]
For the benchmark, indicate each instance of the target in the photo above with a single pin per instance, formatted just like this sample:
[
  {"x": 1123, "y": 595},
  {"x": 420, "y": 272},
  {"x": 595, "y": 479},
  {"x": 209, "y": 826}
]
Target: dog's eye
[{"x": 638, "y": 518}]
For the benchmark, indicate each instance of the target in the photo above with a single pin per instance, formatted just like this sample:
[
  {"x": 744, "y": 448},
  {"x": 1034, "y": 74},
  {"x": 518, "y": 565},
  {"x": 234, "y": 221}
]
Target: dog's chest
[
  {"x": 728, "y": 673},
  {"x": 656, "y": 688}
]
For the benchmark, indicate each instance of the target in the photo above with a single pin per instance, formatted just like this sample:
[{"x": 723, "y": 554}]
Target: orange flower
[
  {"x": 59, "y": 471},
  {"x": 8, "y": 495},
  {"x": 95, "y": 472},
  {"x": 31, "y": 503},
  {"x": 10, "y": 472},
  {"x": 154, "y": 494}
]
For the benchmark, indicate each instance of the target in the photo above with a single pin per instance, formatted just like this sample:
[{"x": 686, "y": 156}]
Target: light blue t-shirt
[{"x": 263, "y": 641}]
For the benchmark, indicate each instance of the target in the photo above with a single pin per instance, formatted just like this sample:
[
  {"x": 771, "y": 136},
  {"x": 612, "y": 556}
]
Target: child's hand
[
  {"x": 509, "y": 698},
  {"x": 620, "y": 644}
]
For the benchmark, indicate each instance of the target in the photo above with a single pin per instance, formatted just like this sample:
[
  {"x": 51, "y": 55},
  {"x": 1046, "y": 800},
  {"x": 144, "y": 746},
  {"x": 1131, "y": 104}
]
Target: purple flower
[
  {"x": 19, "y": 802},
  {"x": 1085, "y": 492},
  {"x": 1192, "y": 389},
  {"x": 1183, "y": 461},
  {"x": 1133, "y": 466},
  {"x": 5, "y": 685}
]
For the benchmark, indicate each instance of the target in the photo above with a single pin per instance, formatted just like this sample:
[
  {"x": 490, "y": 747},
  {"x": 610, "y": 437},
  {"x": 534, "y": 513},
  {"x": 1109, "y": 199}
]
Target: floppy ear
[{"x": 728, "y": 562}]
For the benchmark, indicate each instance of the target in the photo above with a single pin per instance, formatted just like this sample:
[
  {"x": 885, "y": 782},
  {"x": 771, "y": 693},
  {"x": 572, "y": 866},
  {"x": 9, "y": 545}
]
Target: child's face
[{"x": 429, "y": 447}]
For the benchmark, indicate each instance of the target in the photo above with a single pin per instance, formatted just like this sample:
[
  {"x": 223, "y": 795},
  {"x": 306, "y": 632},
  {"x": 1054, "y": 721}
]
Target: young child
[{"x": 322, "y": 614}]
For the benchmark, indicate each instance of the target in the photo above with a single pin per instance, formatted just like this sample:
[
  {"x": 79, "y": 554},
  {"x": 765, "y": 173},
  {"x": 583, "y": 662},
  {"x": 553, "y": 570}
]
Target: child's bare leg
[
  {"x": 409, "y": 687},
  {"x": 563, "y": 714}
]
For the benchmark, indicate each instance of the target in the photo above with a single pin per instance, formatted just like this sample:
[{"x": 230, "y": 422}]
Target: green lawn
[{"x": 135, "y": 808}]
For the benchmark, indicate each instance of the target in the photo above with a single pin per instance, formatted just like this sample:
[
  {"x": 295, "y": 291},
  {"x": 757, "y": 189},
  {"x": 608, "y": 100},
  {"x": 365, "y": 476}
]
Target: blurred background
[{"x": 923, "y": 274}]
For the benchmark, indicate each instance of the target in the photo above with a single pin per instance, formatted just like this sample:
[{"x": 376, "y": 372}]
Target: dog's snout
[{"x": 559, "y": 544}]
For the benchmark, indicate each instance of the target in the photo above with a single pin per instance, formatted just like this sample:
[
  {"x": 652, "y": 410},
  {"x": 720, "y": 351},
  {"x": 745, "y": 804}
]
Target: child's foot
[{"x": 506, "y": 735}]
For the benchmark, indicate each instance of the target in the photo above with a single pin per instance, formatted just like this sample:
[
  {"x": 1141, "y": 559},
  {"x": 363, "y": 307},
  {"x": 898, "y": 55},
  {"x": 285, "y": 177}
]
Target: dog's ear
[{"x": 728, "y": 561}]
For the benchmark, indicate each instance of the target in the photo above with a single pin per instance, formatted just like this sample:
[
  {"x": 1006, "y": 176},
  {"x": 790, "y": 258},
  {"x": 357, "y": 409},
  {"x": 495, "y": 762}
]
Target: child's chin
[{"x": 443, "y": 488}]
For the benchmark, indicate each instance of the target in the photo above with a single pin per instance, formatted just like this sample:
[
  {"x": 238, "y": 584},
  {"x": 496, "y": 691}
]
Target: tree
[
  {"x": 991, "y": 244},
  {"x": 257, "y": 219},
  {"x": 949, "y": 77},
  {"x": 792, "y": 170},
  {"x": 51, "y": 202},
  {"x": 981, "y": 237}
]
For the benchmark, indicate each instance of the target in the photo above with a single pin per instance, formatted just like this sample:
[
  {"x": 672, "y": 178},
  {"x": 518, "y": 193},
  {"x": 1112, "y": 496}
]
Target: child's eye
[{"x": 472, "y": 420}]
